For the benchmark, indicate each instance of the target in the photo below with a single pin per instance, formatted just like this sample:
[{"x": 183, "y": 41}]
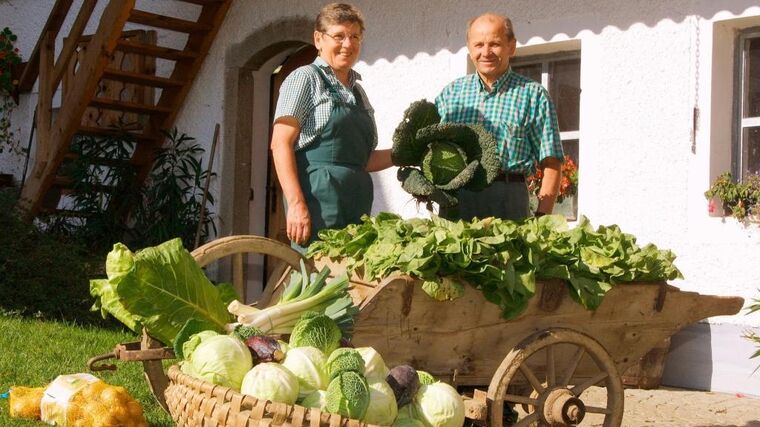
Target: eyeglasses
[{"x": 340, "y": 37}]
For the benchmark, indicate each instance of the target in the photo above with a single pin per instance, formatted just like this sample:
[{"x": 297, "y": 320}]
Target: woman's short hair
[{"x": 338, "y": 13}]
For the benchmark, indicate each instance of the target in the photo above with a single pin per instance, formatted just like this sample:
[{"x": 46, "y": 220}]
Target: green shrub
[{"x": 41, "y": 276}]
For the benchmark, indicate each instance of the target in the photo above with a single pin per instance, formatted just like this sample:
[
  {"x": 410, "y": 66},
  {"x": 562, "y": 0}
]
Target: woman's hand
[
  {"x": 284, "y": 136},
  {"x": 299, "y": 222}
]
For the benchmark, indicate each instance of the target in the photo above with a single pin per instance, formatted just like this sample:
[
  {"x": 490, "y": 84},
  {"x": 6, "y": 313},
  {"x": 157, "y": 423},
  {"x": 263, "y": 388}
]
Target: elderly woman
[{"x": 324, "y": 134}]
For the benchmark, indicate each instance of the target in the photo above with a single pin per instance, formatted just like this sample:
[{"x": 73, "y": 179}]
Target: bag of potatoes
[{"x": 82, "y": 400}]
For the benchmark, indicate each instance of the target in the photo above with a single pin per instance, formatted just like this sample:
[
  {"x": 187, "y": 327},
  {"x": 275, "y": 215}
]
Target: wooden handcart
[{"x": 556, "y": 364}]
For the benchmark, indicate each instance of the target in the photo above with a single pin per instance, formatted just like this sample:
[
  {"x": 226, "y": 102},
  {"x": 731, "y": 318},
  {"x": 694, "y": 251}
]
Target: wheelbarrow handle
[{"x": 93, "y": 363}]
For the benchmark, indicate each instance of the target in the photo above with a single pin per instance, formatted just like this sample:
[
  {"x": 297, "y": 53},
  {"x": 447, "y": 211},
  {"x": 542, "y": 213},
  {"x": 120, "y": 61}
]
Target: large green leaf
[
  {"x": 108, "y": 302},
  {"x": 164, "y": 287}
]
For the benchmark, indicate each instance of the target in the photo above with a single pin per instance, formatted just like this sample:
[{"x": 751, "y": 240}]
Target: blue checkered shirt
[
  {"x": 305, "y": 96},
  {"x": 517, "y": 111}
]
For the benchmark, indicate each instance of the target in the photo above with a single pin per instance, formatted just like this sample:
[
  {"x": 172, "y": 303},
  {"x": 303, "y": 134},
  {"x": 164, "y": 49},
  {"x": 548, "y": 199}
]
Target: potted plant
[{"x": 738, "y": 199}]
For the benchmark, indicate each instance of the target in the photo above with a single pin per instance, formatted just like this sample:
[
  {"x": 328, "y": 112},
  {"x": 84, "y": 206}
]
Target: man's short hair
[{"x": 508, "y": 29}]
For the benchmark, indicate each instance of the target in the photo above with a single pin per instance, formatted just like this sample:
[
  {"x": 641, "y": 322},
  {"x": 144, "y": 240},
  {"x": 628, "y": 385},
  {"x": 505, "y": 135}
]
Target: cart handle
[
  {"x": 129, "y": 352},
  {"x": 93, "y": 366}
]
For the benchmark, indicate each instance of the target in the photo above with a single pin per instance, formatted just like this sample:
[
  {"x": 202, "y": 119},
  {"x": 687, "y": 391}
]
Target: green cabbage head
[
  {"x": 348, "y": 395},
  {"x": 315, "y": 399},
  {"x": 374, "y": 366},
  {"x": 439, "y": 405},
  {"x": 342, "y": 360},
  {"x": 382, "y": 409},
  {"x": 316, "y": 330},
  {"x": 308, "y": 365},
  {"x": 271, "y": 381},
  {"x": 218, "y": 359},
  {"x": 437, "y": 159}
]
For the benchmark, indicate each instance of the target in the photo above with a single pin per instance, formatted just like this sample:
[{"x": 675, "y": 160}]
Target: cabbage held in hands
[
  {"x": 219, "y": 359},
  {"x": 271, "y": 381},
  {"x": 437, "y": 159}
]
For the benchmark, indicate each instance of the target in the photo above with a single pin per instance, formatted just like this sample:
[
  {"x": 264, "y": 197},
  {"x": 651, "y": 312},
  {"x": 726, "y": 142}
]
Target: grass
[{"x": 33, "y": 352}]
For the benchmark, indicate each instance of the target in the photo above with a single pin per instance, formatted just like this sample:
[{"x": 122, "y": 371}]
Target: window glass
[
  {"x": 752, "y": 103},
  {"x": 751, "y": 151},
  {"x": 565, "y": 90},
  {"x": 532, "y": 71},
  {"x": 570, "y": 148}
]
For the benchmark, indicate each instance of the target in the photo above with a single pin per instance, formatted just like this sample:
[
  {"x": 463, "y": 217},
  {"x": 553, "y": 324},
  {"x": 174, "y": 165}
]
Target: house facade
[{"x": 655, "y": 99}]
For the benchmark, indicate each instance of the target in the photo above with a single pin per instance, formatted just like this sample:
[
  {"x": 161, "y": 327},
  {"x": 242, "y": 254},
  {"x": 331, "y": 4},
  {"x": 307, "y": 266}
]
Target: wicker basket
[{"x": 197, "y": 403}]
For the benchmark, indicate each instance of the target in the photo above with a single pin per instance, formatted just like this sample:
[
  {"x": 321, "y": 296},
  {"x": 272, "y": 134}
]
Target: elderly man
[{"x": 520, "y": 115}]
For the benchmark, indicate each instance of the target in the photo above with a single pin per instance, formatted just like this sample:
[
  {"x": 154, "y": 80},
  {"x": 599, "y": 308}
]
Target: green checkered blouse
[
  {"x": 518, "y": 112},
  {"x": 305, "y": 96}
]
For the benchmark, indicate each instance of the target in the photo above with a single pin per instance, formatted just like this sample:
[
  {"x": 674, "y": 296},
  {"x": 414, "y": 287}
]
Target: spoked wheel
[{"x": 547, "y": 378}]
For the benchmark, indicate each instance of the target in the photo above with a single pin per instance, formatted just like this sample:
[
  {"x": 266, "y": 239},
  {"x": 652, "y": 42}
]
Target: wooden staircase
[{"x": 88, "y": 65}]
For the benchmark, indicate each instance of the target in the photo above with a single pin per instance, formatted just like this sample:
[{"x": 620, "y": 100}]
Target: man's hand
[{"x": 547, "y": 195}]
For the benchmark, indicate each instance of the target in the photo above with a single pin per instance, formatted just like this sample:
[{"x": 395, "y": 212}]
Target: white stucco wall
[{"x": 645, "y": 65}]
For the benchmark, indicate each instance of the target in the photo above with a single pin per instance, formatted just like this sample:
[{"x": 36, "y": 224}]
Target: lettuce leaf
[{"x": 159, "y": 288}]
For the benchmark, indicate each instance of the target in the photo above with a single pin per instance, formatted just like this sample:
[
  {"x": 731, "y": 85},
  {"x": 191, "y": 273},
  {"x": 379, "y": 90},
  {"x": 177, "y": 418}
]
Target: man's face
[{"x": 490, "y": 48}]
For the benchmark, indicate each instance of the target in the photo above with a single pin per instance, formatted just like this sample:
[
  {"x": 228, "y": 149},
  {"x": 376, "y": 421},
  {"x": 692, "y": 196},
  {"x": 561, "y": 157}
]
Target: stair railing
[{"x": 54, "y": 137}]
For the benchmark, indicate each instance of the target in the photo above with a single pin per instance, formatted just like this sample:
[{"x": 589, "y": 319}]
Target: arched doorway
[{"x": 249, "y": 80}]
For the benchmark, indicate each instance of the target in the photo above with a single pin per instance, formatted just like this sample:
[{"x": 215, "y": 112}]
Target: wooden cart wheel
[
  {"x": 553, "y": 393},
  {"x": 237, "y": 246}
]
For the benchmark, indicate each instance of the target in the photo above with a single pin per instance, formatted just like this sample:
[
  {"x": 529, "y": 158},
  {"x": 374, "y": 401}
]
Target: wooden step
[
  {"x": 115, "y": 133},
  {"x": 65, "y": 184},
  {"x": 155, "y": 51},
  {"x": 132, "y": 107},
  {"x": 140, "y": 79},
  {"x": 166, "y": 22},
  {"x": 101, "y": 161},
  {"x": 202, "y": 2},
  {"x": 67, "y": 213}
]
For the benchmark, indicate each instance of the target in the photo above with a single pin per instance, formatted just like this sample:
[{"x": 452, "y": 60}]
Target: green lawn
[{"x": 34, "y": 352}]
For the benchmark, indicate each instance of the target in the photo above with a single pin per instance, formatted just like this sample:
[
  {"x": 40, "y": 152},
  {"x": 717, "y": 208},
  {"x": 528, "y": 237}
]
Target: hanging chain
[{"x": 695, "y": 111}]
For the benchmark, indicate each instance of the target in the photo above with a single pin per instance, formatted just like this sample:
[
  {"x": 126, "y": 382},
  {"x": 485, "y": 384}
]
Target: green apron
[{"x": 332, "y": 169}]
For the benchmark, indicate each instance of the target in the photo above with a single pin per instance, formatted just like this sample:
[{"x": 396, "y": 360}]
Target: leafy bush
[
  {"x": 171, "y": 200},
  {"x": 41, "y": 276},
  {"x": 111, "y": 207}
]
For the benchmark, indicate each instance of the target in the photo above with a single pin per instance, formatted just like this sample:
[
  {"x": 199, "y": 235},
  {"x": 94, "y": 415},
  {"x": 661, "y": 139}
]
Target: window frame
[{"x": 741, "y": 123}]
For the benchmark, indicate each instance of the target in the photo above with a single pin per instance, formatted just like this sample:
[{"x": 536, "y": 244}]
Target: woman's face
[{"x": 339, "y": 45}]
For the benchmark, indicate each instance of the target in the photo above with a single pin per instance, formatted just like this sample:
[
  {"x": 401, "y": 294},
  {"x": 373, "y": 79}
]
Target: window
[
  {"x": 560, "y": 74},
  {"x": 747, "y": 147}
]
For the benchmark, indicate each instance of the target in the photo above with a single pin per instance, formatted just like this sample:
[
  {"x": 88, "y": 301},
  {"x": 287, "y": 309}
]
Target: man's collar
[
  {"x": 353, "y": 76},
  {"x": 498, "y": 83}
]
